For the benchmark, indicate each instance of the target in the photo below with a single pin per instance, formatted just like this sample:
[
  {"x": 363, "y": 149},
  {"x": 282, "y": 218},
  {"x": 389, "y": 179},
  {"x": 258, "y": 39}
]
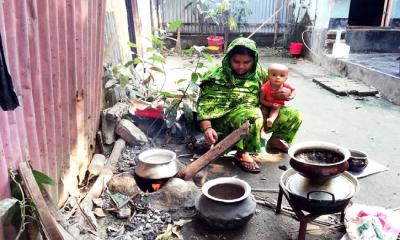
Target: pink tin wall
[{"x": 54, "y": 52}]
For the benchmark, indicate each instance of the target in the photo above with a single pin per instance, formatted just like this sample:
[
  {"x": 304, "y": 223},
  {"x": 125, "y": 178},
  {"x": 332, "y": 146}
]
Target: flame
[{"x": 156, "y": 186}]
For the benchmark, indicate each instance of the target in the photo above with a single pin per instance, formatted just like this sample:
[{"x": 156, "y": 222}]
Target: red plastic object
[
  {"x": 216, "y": 41},
  {"x": 295, "y": 48},
  {"x": 150, "y": 112}
]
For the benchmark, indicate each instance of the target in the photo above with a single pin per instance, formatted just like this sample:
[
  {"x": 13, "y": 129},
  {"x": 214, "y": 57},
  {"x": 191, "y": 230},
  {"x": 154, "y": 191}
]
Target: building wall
[
  {"x": 340, "y": 14},
  {"x": 260, "y": 11},
  {"x": 54, "y": 52},
  {"x": 396, "y": 9},
  {"x": 395, "y": 21},
  {"x": 116, "y": 39}
]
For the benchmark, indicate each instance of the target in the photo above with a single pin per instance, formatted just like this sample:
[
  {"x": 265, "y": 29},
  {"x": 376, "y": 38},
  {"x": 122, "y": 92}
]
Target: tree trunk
[
  {"x": 226, "y": 37},
  {"x": 178, "y": 46}
]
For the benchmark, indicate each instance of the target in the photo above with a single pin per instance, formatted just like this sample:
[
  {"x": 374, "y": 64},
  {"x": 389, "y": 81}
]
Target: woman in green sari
[{"x": 229, "y": 96}]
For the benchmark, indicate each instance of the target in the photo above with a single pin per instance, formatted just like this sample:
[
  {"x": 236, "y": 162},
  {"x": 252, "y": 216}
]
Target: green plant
[
  {"x": 26, "y": 213},
  {"x": 188, "y": 88},
  {"x": 225, "y": 13}
]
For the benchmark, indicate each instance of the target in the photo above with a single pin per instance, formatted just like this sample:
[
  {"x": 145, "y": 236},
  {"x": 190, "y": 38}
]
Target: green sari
[{"x": 229, "y": 100}]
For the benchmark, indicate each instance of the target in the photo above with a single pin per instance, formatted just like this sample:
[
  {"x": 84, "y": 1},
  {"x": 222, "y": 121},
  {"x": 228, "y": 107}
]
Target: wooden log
[
  {"x": 106, "y": 174},
  {"x": 215, "y": 152},
  {"x": 6, "y": 210},
  {"x": 62, "y": 224},
  {"x": 49, "y": 224}
]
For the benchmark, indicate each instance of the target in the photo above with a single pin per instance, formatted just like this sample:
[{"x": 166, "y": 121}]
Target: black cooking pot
[
  {"x": 319, "y": 160},
  {"x": 326, "y": 197}
]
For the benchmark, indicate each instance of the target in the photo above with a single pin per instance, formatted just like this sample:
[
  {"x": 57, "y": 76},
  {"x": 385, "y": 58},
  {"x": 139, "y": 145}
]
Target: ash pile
[{"x": 111, "y": 205}]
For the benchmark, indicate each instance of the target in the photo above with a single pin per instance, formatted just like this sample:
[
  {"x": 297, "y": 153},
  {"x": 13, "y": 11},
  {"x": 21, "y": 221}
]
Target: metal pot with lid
[
  {"x": 327, "y": 197},
  {"x": 156, "y": 164}
]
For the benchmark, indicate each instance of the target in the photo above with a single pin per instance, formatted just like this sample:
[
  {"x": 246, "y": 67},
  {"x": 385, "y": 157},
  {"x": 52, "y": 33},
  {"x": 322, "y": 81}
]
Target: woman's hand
[
  {"x": 210, "y": 135},
  {"x": 282, "y": 94}
]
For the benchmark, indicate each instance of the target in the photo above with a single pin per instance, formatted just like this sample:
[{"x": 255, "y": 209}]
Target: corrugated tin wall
[
  {"x": 54, "y": 50},
  {"x": 260, "y": 11}
]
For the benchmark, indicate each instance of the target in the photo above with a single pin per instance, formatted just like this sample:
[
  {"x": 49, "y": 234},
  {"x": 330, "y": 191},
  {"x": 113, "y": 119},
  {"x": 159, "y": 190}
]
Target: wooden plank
[
  {"x": 214, "y": 152},
  {"x": 48, "y": 222},
  {"x": 97, "y": 188}
]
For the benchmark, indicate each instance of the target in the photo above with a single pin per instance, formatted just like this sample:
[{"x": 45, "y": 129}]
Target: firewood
[
  {"x": 49, "y": 224},
  {"x": 106, "y": 174},
  {"x": 214, "y": 152}
]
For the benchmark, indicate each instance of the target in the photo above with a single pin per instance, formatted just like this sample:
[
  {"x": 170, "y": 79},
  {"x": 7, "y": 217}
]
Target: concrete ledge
[
  {"x": 344, "y": 86},
  {"x": 387, "y": 85}
]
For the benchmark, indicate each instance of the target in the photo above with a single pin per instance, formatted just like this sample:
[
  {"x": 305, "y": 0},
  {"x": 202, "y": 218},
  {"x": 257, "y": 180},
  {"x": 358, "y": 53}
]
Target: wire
[
  {"x": 304, "y": 42},
  {"x": 265, "y": 22}
]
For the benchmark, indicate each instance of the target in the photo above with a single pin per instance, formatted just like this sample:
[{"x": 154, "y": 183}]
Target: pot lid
[{"x": 339, "y": 188}]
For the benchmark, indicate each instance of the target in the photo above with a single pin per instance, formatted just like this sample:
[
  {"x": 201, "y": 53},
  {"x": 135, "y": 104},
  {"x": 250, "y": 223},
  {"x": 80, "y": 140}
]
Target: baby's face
[{"x": 277, "y": 76}]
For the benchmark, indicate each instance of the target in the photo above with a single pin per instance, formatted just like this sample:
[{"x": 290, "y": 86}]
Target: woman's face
[{"x": 241, "y": 63}]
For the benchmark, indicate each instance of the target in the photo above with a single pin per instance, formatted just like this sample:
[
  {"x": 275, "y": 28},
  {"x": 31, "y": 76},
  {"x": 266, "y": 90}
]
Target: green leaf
[
  {"x": 180, "y": 81},
  {"x": 232, "y": 23},
  {"x": 194, "y": 77},
  {"x": 157, "y": 69},
  {"x": 166, "y": 94},
  {"x": 200, "y": 65},
  {"x": 137, "y": 60},
  {"x": 207, "y": 56},
  {"x": 175, "y": 24},
  {"x": 42, "y": 178},
  {"x": 149, "y": 49},
  {"x": 156, "y": 40},
  {"x": 128, "y": 63},
  {"x": 131, "y": 44},
  {"x": 115, "y": 69},
  {"x": 123, "y": 80},
  {"x": 157, "y": 58}
]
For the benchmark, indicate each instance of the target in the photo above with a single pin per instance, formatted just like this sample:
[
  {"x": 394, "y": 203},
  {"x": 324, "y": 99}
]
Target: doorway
[{"x": 367, "y": 12}]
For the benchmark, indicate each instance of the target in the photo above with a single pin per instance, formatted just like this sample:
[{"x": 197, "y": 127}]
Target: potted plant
[{"x": 225, "y": 13}]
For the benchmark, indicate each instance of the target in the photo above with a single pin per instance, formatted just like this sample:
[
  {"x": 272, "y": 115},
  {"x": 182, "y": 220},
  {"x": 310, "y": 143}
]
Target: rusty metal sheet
[{"x": 54, "y": 50}]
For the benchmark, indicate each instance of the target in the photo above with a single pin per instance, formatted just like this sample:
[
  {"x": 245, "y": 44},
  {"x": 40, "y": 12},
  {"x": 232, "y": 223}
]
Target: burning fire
[{"x": 156, "y": 186}]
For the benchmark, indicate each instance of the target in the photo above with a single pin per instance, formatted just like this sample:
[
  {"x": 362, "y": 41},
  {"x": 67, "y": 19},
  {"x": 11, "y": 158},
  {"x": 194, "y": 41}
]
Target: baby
[{"x": 277, "y": 76}]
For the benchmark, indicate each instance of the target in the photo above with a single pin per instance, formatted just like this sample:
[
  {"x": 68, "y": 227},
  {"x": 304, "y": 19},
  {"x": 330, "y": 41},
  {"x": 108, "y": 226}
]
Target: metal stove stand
[{"x": 304, "y": 219}]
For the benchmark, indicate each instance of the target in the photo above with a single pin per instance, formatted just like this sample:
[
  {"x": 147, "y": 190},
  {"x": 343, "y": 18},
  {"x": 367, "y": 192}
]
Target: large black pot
[
  {"x": 319, "y": 169},
  {"x": 327, "y": 197}
]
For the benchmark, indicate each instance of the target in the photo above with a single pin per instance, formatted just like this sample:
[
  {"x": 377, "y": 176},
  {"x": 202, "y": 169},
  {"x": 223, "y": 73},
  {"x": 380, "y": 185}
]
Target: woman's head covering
[
  {"x": 244, "y": 42},
  {"x": 222, "y": 90}
]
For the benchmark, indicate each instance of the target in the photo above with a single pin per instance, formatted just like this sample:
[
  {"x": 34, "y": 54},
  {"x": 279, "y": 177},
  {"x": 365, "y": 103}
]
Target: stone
[
  {"x": 98, "y": 212},
  {"x": 98, "y": 202},
  {"x": 116, "y": 112},
  {"x": 112, "y": 95},
  {"x": 107, "y": 129},
  {"x": 175, "y": 194},
  {"x": 130, "y": 133},
  {"x": 124, "y": 213},
  {"x": 110, "y": 83},
  {"x": 123, "y": 183}
]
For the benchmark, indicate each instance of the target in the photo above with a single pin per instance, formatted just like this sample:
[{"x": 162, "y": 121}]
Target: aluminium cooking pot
[
  {"x": 156, "y": 164},
  {"x": 319, "y": 160},
  {"x": 327, "y": 197}
]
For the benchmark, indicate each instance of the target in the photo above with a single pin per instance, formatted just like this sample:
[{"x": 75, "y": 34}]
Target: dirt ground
[{"x": 369, "y": 125}]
